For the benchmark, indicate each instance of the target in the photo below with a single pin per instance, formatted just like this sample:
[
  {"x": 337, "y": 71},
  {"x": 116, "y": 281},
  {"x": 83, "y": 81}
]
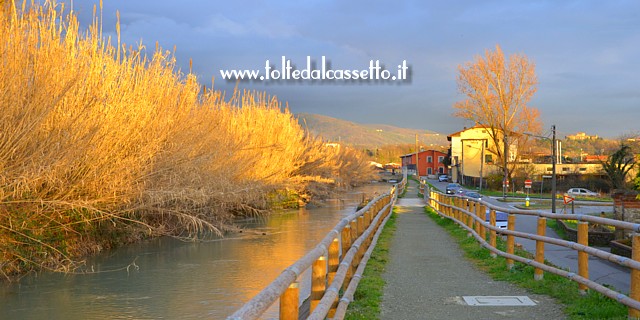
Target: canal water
[{"x": 166, "y": 278}]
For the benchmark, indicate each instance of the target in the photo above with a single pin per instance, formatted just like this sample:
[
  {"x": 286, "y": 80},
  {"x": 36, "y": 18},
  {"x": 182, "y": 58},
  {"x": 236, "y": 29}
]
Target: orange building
[{"x": 431, "y": 162}]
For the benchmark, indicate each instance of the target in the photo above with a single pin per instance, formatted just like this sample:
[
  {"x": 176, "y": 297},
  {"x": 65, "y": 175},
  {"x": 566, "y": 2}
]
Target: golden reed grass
[{"x": 100, "y": 143}]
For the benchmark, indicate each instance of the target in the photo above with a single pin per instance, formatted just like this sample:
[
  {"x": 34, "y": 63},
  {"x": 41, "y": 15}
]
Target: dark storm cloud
[{"x": 586, "y": 52}]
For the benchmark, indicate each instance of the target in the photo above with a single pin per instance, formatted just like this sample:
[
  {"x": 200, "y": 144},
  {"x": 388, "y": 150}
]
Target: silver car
[{"x": 582, "y": 192}]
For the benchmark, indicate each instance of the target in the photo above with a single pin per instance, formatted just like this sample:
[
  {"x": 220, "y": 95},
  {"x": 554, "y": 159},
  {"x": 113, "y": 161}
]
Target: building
[
  {"x": 431, "y": 162},
  {"x": 581, "y": 136},
  {"x": 595, "y": 158},
  {"x": 472, "y": 156}
]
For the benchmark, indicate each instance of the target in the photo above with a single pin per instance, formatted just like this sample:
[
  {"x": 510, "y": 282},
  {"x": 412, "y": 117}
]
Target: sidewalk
[{"x": 427, "y": 275}]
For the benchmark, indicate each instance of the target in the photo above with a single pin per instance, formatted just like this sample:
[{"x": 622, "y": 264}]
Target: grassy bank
[
  {"x": 368, "y": 295},
  {"x": 591, "y": 306},
  {"x": 102, "y": 145}
]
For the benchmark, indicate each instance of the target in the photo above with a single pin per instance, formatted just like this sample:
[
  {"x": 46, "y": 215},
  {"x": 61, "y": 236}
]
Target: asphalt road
[{"x": 601, "y": 271}]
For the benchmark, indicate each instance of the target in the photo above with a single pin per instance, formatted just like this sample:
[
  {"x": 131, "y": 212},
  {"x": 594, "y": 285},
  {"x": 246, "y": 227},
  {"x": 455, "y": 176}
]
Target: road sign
[
  {"x": 568, "y": 199},
  {"x": 527, "y": 183}
]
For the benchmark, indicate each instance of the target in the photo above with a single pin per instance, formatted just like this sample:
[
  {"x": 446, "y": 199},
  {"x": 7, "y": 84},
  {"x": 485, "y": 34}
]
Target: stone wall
[{"x": 596, "y": 238}]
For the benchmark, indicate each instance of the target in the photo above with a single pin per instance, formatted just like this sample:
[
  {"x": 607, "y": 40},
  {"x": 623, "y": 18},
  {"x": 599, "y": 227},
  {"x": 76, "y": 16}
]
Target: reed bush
[{"x": 100, "y": 144}]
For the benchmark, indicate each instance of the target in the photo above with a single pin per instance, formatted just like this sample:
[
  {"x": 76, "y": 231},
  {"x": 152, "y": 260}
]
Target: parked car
[
  {"x": 452, "y": 188},
  {"x": 501, "y": 219},
  {"x": 443, "y": 178},
  {"x": 473, "y": 194},
  {"x": 582, "y": 192}
]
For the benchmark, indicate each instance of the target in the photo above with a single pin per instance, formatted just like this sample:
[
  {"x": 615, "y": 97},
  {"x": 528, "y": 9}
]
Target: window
[
  {"x": 565, "y": 169},
  {"x": 440, "y": 159},
  {"x": 429, "y": 159},
  {"x": 488, "y": 158},
  {"x": 429, "y": 171},
  {"x": 550, "y": 169},
  {"x": 583, "y": 169},
  {"x": 441, "y": 170}
]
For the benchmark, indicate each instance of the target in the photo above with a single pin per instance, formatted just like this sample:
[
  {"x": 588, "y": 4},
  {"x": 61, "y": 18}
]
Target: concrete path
[{"x": 427, "y": 276}]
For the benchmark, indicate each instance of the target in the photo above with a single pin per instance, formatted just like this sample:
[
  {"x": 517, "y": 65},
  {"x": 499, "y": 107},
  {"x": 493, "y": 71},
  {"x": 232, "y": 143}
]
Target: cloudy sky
[{"x": 587, "y": 53}]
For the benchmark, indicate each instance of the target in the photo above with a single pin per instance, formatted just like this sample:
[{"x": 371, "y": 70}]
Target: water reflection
[{"x": 169, "y": 279}]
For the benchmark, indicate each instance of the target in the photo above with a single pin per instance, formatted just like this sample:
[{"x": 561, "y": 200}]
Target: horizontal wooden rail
[
  {"x": 570, "y": 275},
  {"x": 369, "y": 217},
  {"x": 348, "y": 294},
  {"x": 465, "y": 213},
  {"x": 333, "y": 291}
]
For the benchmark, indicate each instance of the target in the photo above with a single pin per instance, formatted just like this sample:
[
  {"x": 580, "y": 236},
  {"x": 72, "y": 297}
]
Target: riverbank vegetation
[{"x": 102, "y": 144}]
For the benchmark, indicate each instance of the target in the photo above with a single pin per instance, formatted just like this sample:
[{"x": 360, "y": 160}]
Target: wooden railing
[
  {"x": 470, "y": 214},
  {"x": 336, "y": 263}
]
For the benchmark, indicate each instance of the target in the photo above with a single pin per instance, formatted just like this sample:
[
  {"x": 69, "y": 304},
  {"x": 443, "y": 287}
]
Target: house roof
[
  {"x": 455, "y": 134},
  {"x": 430, "y": 150}
]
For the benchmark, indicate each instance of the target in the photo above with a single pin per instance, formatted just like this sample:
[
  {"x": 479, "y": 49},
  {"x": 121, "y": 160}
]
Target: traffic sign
[
  {"x": 527, "y": 183},
  {"x": 568, "y": 199}
]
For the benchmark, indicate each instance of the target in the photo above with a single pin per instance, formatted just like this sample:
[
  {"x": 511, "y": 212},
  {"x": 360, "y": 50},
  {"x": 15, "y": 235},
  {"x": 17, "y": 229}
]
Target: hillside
[{"x": 366, "y": 135}]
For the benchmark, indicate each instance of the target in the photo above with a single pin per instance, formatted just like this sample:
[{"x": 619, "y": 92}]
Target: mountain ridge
[{"x": 366, "y": 135}]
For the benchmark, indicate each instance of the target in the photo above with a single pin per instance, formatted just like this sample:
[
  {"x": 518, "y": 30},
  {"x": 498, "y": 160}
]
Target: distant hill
[{"x": 366, "y": 135}]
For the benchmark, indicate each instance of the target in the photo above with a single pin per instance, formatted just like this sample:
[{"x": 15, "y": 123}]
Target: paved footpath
[{"x": 427, "y": 275}]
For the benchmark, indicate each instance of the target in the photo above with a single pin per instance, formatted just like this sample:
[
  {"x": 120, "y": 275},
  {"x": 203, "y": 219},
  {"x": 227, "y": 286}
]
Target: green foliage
[
  {"x": 368, "y": 295},
  {"x": 494, "y": 181},
  {"x": 618, "y": 165}
]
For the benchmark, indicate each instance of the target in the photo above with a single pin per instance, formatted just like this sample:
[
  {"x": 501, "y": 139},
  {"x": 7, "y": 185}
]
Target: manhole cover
[{"x": 498, "y": 301}]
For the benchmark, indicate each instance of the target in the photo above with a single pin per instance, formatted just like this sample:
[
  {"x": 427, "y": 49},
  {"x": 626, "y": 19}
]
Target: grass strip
[
  {"x": 368, "y": 295},
  {"x": 590, "y": 306}
]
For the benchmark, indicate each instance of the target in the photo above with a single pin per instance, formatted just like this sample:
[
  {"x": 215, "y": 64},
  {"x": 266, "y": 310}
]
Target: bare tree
[{"x": 497, "y": 92}]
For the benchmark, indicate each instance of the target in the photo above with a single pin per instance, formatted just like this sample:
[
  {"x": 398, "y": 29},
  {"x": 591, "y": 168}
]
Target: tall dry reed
[{"x": 100, "y": 144}]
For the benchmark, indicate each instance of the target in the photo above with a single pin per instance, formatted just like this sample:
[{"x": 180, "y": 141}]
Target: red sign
[
  {"x": 568, "y": 199},
  {"x": 527, "y": 183}
]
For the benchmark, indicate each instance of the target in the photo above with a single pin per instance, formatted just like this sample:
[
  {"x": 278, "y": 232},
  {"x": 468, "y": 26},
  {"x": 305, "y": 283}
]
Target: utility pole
[
  {"x": 505, "y": 155},
  {"x": 482, "y": 162},
  {"x": 553, "y": 168},
  {"x": 417, "y": 151}
]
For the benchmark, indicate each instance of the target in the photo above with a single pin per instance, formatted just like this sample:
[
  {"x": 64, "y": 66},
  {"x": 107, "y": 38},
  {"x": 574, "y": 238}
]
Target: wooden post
[
  {"x": 476, "y": 212},
  {"x": 542, "y": 228},
  {"x": 289, "y": 301},
  {"x": 492, "y": 233},
  {"x": 361, "y": 226},
  {"x": 511, "y": 225},
  {"x": 346, "y": 240},
  {"x": 635, "y": 276},
  {"x": 318, "y": 281},
  {"x": 482, "y": 214},
  {"x": 334, "y": 262},
  {"x": 354, "y": 230},
  {"x": 583, "y": 257},
  {"x": 354, "y": 237},
  {"x": 334, "y": 259}
]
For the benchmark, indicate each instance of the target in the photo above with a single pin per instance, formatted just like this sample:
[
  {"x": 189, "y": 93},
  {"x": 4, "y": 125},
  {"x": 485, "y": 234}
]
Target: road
[{"x": 601, "y": 271}]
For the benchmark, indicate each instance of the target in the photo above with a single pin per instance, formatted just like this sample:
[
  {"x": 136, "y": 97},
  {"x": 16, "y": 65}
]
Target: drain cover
[{"x": 498, "y": 301}]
